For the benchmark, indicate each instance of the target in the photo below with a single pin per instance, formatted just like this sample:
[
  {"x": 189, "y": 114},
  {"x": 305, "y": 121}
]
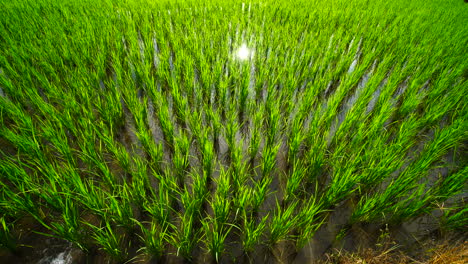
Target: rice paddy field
[{"x": 229, "y": 131}]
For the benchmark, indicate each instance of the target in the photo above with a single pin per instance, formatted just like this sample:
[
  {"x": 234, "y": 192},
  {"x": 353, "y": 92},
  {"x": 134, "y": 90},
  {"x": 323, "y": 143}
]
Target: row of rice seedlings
[
  {"x": 217, "y": 226},
  {"x": 388, "y": 200},
  {"x": 21, "y": 203}
]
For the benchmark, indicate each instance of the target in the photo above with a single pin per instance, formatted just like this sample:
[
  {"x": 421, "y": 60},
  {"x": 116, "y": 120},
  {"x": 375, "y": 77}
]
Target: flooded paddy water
[
  {"x": 250, "y": 133},
  {"x": 411, "y": 237}
]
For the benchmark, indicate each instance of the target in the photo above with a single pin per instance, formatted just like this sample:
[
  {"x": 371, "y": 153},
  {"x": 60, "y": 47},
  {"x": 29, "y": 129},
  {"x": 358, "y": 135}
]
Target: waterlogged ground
[
  {"x": 238, "y": 132},
  {"x": 412, "y": 238}
]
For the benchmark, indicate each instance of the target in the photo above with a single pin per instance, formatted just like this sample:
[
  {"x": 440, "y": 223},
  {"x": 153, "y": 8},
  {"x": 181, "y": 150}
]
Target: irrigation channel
[{"x": 230, "y": 132}]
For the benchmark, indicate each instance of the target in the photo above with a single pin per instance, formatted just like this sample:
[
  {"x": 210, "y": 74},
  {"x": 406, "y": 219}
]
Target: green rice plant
[
  {"x": 255, "y": 139},
  {"x": 231, "y": 129},
  {"x": 24, "y": 144},
  {"x": 237, "y": 166},
  {"x": 315, "y": 154},
  {"x": 14, "y": 171},
  {"x": 252, "y": 232},
  {"x": 295, "y": 139},
  {"x": 154, "y": 238},
  {"x": 343, "y": 183},
  {"x": 455, "y": 219},
  {"x": 269, "y": 160},
  {"x": 119, "y": 209},
  {"x": 449, "y": 186},
  {"x": 93, "y": 156},
  {"x": 259, "y": 193},
  {"x": 164, "y": 119},
  {"x": 294, "y": 182},
  {"x": 69, "y": 228},
  {"x": 215, "y": 236},
  {"x": 243, "y": 202},
  {"x": 158, "y": 206},
  {"x": 139, "y": 182},
  {"x": 200, "y": 189},
  {"x": 207, "y": 157},
  {"x": 118, "y": 150},
  {"x": 93, "y": 198},
  {"x": 181, "y": 108},
  {"x": 398, "y": 189},
  {"x": 272, "y": 121},
  {"x": 18, "y": 203},
  {"x": 138, "y": 107},
  {"x": 283, "y": 222},
  {"x": 424, "y": 198},
  {"x": 182, "y": 155},
  {"x": 221, "y": 202},
  {"x": 310, "y": 218},
  {"x": 109, "y": 241},
  {"x": 186, "y": 236},
  {"x": 7, "y": 239}
]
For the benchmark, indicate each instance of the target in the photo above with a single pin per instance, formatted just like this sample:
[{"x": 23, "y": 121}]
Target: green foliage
[{"x": 147, "y": 116}]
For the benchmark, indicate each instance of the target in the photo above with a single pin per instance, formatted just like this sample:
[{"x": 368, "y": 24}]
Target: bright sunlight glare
[{"x": 244, "y": 53}]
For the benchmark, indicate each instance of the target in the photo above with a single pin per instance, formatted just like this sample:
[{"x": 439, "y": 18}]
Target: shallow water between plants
[
  {"x": 336, "y": 233},
  {"x": 409, "y": 236}
]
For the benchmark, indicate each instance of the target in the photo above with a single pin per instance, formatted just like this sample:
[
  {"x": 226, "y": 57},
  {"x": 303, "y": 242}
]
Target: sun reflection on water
[{"x": 244, "y": 53}]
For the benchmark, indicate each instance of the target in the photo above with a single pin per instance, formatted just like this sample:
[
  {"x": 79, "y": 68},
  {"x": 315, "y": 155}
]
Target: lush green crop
[{"x": 203, "y": 128}]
